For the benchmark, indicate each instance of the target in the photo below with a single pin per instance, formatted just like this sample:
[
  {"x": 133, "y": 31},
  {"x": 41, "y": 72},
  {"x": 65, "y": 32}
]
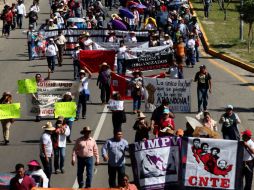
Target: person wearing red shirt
[
  {"x": 8, "y": 18},
  {"x": 21, "y": 181}
]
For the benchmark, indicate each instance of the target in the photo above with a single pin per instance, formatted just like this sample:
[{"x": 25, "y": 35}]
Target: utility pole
[{"x": 241, "y": 23}]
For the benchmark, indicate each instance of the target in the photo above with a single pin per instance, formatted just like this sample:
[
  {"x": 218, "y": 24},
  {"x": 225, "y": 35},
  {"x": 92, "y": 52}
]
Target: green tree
[{"x": 248, "y": 17}]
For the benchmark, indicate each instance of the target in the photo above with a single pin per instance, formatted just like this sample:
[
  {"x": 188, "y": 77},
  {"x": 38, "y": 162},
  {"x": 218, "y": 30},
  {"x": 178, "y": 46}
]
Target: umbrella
[
  {"x": 126, "y": 13},
  {"x": 76, "y": 19},
  {"x": 139, "y": 6},
  {"x": 131, "y": 3},
  {"x": 117, "y": 24}
]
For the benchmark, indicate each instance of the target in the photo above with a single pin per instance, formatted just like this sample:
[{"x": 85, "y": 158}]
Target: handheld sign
[
  {"x": 115, "y": 105},
  {"x": 9, "y": 111},
  {"x": 65, "y": 109},
  {"x": 27, "y": 86}
]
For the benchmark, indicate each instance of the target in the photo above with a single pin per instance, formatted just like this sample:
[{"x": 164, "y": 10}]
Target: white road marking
[{"x": 96, "y": 136}]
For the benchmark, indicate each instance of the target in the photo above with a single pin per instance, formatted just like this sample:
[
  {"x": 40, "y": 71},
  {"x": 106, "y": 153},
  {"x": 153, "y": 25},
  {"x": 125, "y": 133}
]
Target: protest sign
[
  {"x": 27, "y": 86},
  {"x": 115, "y": 105},
  {"x": 148, "y": 62},
  {"x": 176, "y": 91},
  {"x": 212, "y": 163},
  {"x": 65, "y": 109},
  {"x": 10, "y": 111},
  {"x": 156, "y": 162},
  {"x": 49, "y": 92},
  {"x": 92, "y": 59},
  {"x": 37, "y": 188}
]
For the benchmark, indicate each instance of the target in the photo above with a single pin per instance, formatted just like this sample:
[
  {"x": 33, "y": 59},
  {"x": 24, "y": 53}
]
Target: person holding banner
[
  {"x": 83, "y": 92},
  {"x": 103, "y": 81},
  {"x": 121, "y": 69},
  {"x": 6, "y": 123},
  {"x": 136, "y": 85}
]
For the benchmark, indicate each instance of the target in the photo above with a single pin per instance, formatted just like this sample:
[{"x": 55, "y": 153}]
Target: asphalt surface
[{"x": 231, "y": 85}]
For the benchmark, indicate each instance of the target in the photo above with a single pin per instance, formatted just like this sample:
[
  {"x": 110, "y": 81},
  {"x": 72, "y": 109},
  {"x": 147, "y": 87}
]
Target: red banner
[
  {"x": 92, "y": 59},
  {"x": 120, "y": 84}
]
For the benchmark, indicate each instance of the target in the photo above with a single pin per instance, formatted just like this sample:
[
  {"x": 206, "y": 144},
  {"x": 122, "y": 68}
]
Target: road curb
[{"x": 216, "y": 54}]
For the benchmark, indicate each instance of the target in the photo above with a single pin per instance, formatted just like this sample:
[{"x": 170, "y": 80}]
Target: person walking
[
  {"x": 76, "y": 64},
  {"x": 230, "y": 121},
  {"x": 103, "y": 82},
  {"x": 8, "y": 19},
  {"x": 206, "y": 7},
  {"x": 84, "y": 150},
  {"x": 59, "y": 143},
  {"x": 21, "y": 181},
  {"x": 204, "y": 84},
  {"x": 136, "y": 85},
  {"x": 248, "y": 156},
  {"x": 21, "y": 12},
  {"x": 121, "y": 58},
  {"x": 60, "y": 42},
  {"x": 113, "y": 152},
  {"x": 142, "y": 128},
  {"x": 46, "y": 149},
  {"x": 83, "y": 92},
  {"x": 6, "y": 123},
  {"x": 51, "y": 52},
  {"x": 30, "y": 41}
]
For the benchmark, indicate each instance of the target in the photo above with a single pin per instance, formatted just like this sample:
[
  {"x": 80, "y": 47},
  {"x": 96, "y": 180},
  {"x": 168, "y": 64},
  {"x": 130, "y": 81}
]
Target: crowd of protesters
[{"x": 178, "y": 29}]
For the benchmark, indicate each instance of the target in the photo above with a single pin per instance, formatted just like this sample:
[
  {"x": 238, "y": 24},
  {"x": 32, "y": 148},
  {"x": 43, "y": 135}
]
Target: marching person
[
  {"x": 30, "y": 41},
  {"x": 121, "y": 58},
  {"x": 51, "y": 52},
  {"x": 85, "y": 149},
  {"x": 88, "y": 43},
  {"x": 248, "y": 156},
  {"x": 60, "y": 42},
  {"x": 204, "y": 84},
  {"x": 59, "y": 143},
  {"x": 83, "y": 92},
  {"x": 46, "y": 149},
  {"x": 136, "y": 85},
  {"x": 142, "y": 128},
  {"x": 21, "y": 181},
  {"x": 76, "y": 64},
  {"x": 230, "y": 121},
  {"x": 103, "y": 82},
  {"x": 113, "y": 152},
  {"x": 6, "y": 123},
  {"x": 21, "y": 12}
]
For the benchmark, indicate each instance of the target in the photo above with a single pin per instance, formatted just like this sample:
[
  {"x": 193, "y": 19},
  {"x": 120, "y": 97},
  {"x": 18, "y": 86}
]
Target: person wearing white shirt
[
  {"x": 59, "y": 143},
  {"x": 121, "y": 57},
  {"x": 88, "y": 43},
  {"x": 21, "y": 12},
  {"x": 132, "y": 37},
  {"x": 51, "y": 52},
  {"x": 60, "y": 42},
  {"x": 191, "y": 59},
  {"x": 83, "y": 92},
  {"x": 75, "y": 58}
]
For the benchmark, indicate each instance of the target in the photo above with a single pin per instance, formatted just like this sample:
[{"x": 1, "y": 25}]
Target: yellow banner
[
  {"x": 10, "y": 111},
  {"x": 27, "y": 86},
  {"x": 65, "y": 109}
]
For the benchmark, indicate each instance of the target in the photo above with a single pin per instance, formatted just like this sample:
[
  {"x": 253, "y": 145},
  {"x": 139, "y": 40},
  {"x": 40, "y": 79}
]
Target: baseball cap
[
  {"x": 229, "y": 107},
  {"x": 247, "y": 132},
  {"x": 202, "y": 66}
]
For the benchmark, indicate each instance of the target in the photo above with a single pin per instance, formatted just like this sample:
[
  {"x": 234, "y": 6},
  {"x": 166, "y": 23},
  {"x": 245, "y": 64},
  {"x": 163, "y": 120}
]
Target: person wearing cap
[
  {"x": 103, "y": 81},
  {"x": 113, "y": 152},
  {"x": 204, "y": 84},
  {"x": 88, "y": 43},
  {"x": 21, "y": 12},
  {"x": 84, "y": 92},
  {"x": 60, "y": 42},
  {"x": 35, "y": 172},
  {"x": 168, "y": 41},
  {"x": 230, "y": 121},
  {"x": 248, "y": 159},
  {"x": 21, "y": 181},
  {"x": 51, "y": 53},
  {"x": 59, "y": 143},
  {"x": 142, "y": 128},
  {"x": 84, "y": 150},
  {"x": 6, "y": 123},
  {"x": 51, "y": 25},
  {"x": 46, "y": 149},
  {"x": 32, "y": 17},
  {"x": 76, "y": 64}
]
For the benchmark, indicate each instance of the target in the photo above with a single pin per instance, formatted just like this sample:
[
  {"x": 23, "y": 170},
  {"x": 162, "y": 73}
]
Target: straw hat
[
  {"x": 205, "y": 132},
  {"x": 104, "y": 64},
  {"x": 141, "y": 115},
  {"x": 167, "y": 130},
  {"x": 60, "y": 118},
  {"x": 193, "y": 122},
  {"x": 85, "y": 34},
  {"x": 48, "y": 127},
  {"x": 85, "y": 130},
  {"x": 82, "y": 71}
]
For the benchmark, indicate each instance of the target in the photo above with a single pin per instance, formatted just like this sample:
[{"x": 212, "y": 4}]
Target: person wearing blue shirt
[{"x": 113, "y": 151}]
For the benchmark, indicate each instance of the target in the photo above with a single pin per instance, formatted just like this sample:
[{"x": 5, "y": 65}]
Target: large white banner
[
  {"x": 212, "y": 163},
  {"x": 49, "y": 92},
  {"x": 156, "y": 162},
  {"x": 177, "y": 91}
]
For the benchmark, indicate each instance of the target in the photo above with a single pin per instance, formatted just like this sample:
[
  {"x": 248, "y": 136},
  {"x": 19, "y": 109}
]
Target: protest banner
[
  {"x": 65, "y": 109},
  {"x": 27, "y": 86},
  {"x": 5, "y": 179},
  {"x": 115, "y": 105},
  {"x": 176, "y": 91},
  {"x": 156, "y": 163},
  {"x": 92, "y": 59},
  {"x": 149, "y": 61},
  {"x": 37, "y": 188},
  {"x": 212, "y": 163},
  {"x": 10, "y": 111},
  {"x": 49, "y": 92}
]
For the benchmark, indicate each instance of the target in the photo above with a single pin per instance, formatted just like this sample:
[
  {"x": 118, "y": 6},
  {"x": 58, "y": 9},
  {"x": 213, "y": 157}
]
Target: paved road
[{"x": 231, "y": 85}]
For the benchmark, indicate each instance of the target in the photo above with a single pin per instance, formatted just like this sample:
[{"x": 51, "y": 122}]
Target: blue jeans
[
  {"x": 51, "y": 62},
  {"x": 120, "y": 66},
  {"x": 29, "y": 45},
  {"x": 19, "y": 20},
  {"x": 81, "y": 104},
  {"x": 197, "y": 53},
  {"x": 112, "y": 175},
  {"x": 82, "y": 163},
  {"x": 202, "y": 98},
  {"x": 59, "y": 153},
  {"x": 47, "y": 166},
  {"x": 136, "y": 103},
  {"x": 76, "y": 66}
]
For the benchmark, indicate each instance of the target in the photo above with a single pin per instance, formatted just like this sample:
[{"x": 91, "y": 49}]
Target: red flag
[{"x": 92, "y": 59}]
